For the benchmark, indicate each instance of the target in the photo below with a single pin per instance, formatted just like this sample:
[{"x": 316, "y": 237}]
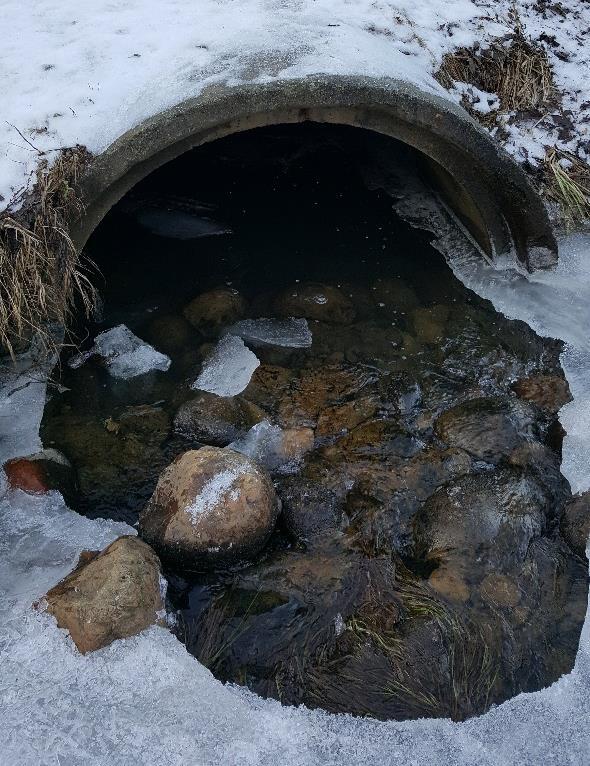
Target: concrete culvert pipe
[{"x": 487, "y": 192}]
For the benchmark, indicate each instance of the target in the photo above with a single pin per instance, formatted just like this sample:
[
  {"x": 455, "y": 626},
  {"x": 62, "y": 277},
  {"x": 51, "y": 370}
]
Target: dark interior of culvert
[{"x": 416, "y": 567}]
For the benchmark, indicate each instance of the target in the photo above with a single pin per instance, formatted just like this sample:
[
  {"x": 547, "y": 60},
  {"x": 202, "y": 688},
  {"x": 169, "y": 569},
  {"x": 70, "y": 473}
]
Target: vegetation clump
[{"x": 42, "y": 276}]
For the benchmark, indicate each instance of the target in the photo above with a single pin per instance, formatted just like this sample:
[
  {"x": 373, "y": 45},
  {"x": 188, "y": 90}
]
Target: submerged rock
[
  {"x": 575, "y": 523},
  {"x": 210, "y": 506},
  {"x": 172, "y": 333},
  {"x": 488, "y": 429},
  {"x": 429, "y": 323},
  {"x": 315, "y": 301},
  {"x": 550, "y": 392},
  {"x": 495, "y": 514},
  {"x": 394, "y": 295},
  {"x": 216, "y": 420},
  {"x": 311, "y": 512},
  {"x": 111, "y": 594},
  {"x": 210, "y": 312}
]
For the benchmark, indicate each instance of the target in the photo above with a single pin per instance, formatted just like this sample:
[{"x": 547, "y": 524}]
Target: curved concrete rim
[{"x": 486, "y": 186}]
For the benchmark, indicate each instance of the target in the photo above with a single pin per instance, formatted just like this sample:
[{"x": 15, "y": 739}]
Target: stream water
[{"x": 417, "y": 568}]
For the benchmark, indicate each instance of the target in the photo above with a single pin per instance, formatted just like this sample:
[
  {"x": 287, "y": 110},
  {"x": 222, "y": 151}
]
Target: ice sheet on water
[
  {"x": 228, "y": 369},
  {"x": 125, "y": 355},
  {"x": 262, "y": 443},
  {"x": 288, "y": 333}
]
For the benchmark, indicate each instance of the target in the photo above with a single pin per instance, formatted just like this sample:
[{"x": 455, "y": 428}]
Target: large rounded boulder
[{"x": 211, "y": 506}]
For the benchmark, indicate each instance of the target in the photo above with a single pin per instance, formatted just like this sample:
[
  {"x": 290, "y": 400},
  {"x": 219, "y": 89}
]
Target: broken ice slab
[
  {"x": 228, "y": 369},
  {"x": 288, "y": 333},
  {"x": 125, "y": 355}
]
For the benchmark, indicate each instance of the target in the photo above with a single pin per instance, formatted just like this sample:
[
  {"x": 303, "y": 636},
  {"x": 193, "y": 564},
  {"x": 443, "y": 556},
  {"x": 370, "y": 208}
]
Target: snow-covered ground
[
  {"x": 146, "y": 701},
  {"x": 85, "y": 72}
]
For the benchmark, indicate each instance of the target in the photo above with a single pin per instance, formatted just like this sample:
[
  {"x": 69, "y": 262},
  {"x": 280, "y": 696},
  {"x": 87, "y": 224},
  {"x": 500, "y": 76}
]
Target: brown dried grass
[
  {"x": 517, "y": 70},
  {"x": 42, "y": 278},
  {"x": 568, "y": 184}
]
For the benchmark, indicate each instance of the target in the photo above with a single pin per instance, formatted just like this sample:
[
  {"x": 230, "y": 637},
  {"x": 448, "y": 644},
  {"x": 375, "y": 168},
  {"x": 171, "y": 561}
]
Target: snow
[
  {"x": 214, "y": 492},
  {"x": 288, "y": 333},
  {"x": 146, "y": 701},
  {"x": 124, "y": 354},
  {"x": 228, "y": 369},
  {"x": 86, "y": 73}
]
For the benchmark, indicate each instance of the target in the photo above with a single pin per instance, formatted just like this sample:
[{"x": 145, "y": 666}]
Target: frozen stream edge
[{"x": 146, "y": 701}]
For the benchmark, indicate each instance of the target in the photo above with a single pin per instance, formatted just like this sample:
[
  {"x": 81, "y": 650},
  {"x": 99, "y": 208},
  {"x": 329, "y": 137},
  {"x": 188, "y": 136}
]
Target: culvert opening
[{"x": 407, "y": 431}]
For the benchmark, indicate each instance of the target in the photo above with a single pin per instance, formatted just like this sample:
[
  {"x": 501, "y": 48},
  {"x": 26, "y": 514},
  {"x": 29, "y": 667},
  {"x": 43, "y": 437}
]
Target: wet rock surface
[
  {"x": 428, "y": 559},
  {"x": 209, "y": 506},
  {"x": 111, "y": 594}
]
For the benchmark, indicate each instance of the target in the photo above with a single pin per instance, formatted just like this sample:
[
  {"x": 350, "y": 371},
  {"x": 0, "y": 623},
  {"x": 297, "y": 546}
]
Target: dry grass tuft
[
  {"x": 41, "y": 276},
  {"x": 516, "y": 70},
  {"x": 567, "y": 182}
]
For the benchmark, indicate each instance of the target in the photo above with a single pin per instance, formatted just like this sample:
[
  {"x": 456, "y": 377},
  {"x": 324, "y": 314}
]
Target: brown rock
[
  {"x": 315, "y": 301},
  {"x": 550, "y": 392},
  {"x": 28, "y": 475},
  {"x": 296, "y": 442},
  {"x": 171, "y": 333},
  {"x": 344, "y": 417},
  {"x": 109, "y": 595},
  {"x": 42, "y": 472},
  {"x": 210, "y": 312},
  {"x": 216, "y": 420},
  {"x": 268, "y": 386},
  {"x": 317, "y": 389},
  {"x": 210, "y": 505},
  {"x": 500, "y": 590},
  {"x": 488, "y": 429},
  {"x": 449, "y": 582},
  {"x": 575, "y": 523}
]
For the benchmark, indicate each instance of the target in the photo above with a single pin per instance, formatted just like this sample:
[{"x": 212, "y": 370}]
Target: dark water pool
[{"x": 417, "y": 568}]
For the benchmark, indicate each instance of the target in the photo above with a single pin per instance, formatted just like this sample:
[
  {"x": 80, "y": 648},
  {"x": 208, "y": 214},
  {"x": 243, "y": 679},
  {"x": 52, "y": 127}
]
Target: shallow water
[{"x": 355, "y": 604}]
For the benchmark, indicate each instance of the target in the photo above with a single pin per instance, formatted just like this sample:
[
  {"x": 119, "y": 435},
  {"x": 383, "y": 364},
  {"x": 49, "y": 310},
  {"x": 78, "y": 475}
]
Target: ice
[
  {"x": 263, "y": 443},
  {"x": 145, "y": 701},
  {"x": 288, "y": 333},
  {"x": 228, "y": 369},
  {"x": 179, "y": 225},
  {"x": 125, "y": 355}
]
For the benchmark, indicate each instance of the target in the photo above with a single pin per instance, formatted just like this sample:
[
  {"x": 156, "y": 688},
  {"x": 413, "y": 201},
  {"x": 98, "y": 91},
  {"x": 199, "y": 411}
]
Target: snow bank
[
  {"x": 146, "y": 701},
  {"x": 86, "y": 73},
  {"x": 124, "y": 354}
]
